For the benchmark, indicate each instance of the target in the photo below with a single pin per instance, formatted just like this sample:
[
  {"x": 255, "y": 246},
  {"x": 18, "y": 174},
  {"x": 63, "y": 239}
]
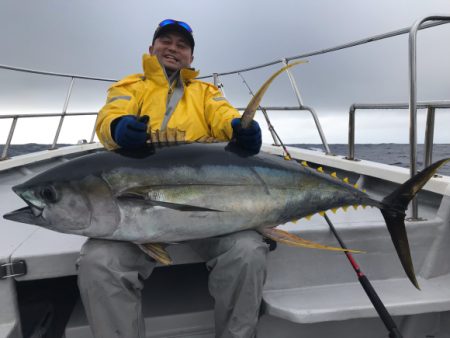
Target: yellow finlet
[
  {"x": 321, "y": 213},
  {"x": 364, "y": 190},
  {"x": 355, "y": 207},
  {"x": 345, "y": 207},
  {"x": 308, "y": 217},
  {"x": 287, "y": 157},
  {"x": 294, "y": 221},
  {"x": 320, "y": 170},
  {"x": 171, "y": 135},
  {"x": 355, "y": 185},
  {"x": 364, "y": 206},
  {"x": 180, "y": 135},
  {"x": 304, "y": 163},
  {"x": 163, "y": 136},
  {"x": 345, "y": 180},
  {"x": 333, "y": 174},
  {"x": 333, "y": 210}
]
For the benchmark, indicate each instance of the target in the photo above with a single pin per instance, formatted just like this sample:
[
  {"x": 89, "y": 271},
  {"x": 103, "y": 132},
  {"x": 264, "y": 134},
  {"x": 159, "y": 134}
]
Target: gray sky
[{"x": 108, "y": 38}]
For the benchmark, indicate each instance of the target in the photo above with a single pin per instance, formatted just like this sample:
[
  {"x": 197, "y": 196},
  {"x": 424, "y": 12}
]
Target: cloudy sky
[{"x": 107, "y": 39}]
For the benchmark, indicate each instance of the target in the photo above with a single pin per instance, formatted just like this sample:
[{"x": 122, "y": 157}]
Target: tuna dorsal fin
[
  {"x": 133, "y": 196},
  {"x": 156, "y": 251},
  {"x": 293, "y": 240}
]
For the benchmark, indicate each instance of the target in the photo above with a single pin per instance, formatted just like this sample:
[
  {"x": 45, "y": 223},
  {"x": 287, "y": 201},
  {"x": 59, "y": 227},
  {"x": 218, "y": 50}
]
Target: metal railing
[
  {"x": 429, "y": 128},
  {"x": 15, "y": 118},
  {"x": 71, "y": 76},
  {"x": 332, "y": 49},
  {"x": 412, "y": 106},
  {"x": 413, "y": 96},
  {"x": 412, "y": 31},
  {"x": 62, "y": 115}
]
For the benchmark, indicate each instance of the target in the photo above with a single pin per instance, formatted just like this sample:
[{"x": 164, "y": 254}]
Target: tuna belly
[{"x": 163, "y": 225}]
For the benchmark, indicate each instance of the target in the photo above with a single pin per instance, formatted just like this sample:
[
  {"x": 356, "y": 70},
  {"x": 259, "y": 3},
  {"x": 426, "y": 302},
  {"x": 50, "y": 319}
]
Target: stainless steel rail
[
  {"x": 307, "y": 108},
  {"x": 412, "y": 31},
  {"x": 64, "y": 110},
  {"x": 329, "y": 50},
  {"x": 413, "y": 95},
  {"x": 429, "y": 131},
  {"x": 429, "y": 134},
  {"x": 15, "y": 117},
  {"x": 61, "y": 120},
  {"x": 275, "y": 108},
  {"x": 39, "y": 72}
]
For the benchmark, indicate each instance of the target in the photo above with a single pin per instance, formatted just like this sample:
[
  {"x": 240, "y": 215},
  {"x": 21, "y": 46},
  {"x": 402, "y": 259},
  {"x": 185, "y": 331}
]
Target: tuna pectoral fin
[
  {"x": 130, "y": 196},
  {"x": 156, "y": 251},
  {"x": 293, "y": 240},
  {"x": 180, "y": 207},
  {"x": 393, "y": 208}
]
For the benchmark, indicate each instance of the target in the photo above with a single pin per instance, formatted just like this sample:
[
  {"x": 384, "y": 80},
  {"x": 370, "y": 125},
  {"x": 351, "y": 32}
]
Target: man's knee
[
  {"x": 93, "y": 261},
  {"x": 250, "y": 248},
  {"x": 100, "y": 259}
]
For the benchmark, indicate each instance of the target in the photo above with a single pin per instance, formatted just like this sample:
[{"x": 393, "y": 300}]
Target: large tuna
[{"x": 191, "y": 191}]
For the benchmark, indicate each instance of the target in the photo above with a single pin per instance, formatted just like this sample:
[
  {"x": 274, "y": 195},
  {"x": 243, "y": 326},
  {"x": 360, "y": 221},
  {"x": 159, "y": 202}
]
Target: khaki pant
[{"x": 111, "y": 274}]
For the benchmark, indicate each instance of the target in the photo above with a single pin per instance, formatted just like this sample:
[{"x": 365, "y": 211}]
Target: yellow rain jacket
[{"x": 201, "y": 113}]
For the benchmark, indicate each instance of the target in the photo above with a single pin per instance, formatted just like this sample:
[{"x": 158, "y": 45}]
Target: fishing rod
[
  {"x": 364, "y": 281},
  {"x": 368, "y": 288}
]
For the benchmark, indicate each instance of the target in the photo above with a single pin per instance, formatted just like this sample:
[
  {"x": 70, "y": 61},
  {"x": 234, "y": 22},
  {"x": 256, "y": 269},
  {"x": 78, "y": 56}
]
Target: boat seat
[
  {"x": 49, "y": 254},
  {"x": 348, "y": 300}
]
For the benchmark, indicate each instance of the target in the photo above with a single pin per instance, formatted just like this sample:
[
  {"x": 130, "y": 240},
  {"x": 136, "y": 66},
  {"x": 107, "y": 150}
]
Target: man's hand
[
  {"x": 129, "y": 132},
  {"x": 249, "y": 138}
]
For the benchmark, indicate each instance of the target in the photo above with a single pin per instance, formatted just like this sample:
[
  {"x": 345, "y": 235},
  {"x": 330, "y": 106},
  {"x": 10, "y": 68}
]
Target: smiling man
[
  {"x": 164, "y": 40},
  {"x": 171, "y": 98},
  {"x": 167, "y": 100}
]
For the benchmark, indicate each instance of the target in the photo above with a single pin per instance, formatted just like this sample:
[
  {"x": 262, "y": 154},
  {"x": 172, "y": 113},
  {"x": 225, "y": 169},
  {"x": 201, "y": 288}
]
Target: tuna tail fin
[{"x": 393, "y": 208}]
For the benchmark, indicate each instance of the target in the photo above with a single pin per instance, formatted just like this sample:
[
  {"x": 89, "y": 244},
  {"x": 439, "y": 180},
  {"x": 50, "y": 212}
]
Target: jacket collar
[{"x": 153, "y": 70}]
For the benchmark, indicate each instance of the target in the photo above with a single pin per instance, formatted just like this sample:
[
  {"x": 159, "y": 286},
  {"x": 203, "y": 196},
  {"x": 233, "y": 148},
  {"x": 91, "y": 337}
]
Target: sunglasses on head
[{"x": 175, "y": 22}]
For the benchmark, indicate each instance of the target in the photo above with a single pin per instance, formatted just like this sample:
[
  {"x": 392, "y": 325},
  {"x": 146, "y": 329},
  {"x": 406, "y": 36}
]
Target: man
[{"x": 168, "y": 98}]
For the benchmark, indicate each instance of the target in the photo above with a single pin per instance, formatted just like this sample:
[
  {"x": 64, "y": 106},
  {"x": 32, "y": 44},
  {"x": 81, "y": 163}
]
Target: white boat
[{"x": 308, "y": 293}]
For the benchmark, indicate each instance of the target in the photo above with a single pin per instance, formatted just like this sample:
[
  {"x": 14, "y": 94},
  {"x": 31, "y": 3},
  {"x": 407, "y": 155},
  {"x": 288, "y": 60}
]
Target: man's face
[{"x": 173, "y": 51}]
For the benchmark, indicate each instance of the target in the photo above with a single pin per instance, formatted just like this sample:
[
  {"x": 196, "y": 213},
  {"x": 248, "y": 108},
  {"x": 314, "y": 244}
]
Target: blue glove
[
  {"x": 249, "y": 138},
  {"x": 129, "y": 132}
]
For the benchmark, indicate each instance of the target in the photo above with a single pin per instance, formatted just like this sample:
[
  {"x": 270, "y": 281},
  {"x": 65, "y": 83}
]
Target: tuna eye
[{"x": 49, "y": 194}]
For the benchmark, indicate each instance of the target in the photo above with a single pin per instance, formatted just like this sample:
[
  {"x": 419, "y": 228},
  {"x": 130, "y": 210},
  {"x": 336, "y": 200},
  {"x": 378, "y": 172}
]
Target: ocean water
[
  {"x": 21, "y": 149},
  {"x": 388, "y": 153}
]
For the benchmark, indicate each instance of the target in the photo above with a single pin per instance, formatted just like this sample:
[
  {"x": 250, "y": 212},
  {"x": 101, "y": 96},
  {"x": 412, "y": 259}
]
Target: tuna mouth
[{"x": 28, "y": 215}]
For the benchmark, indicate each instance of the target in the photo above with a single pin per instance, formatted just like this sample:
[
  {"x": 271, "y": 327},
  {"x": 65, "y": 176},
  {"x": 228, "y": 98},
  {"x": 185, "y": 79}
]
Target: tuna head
[{"x": 82, "y": 206}]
